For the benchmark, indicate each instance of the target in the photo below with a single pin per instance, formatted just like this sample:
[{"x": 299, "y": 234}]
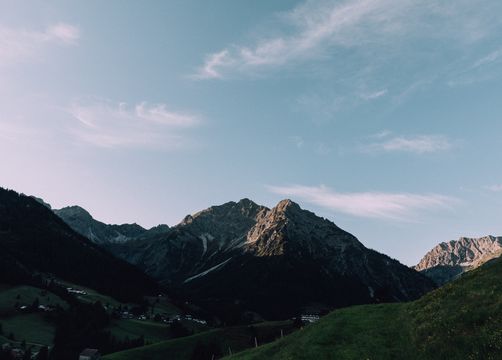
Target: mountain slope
[
  {"x": 34, "y": 241},
  {"x": 241, "y": 257},
  {"x": 448, "y": 260},
  {"x": 100, "y": 233},
  {"x": 461, "y": 320}
]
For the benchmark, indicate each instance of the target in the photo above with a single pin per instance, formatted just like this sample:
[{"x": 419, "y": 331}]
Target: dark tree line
[{"x": 84, "y": 326}]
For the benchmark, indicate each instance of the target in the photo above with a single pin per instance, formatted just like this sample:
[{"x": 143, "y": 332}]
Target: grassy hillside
[
  {"x": 462, "y": 320},
  {"x": 220, "y": 341},
  {"x": 130, "y": 328},
  {"x": 25, "y": 295},
  {"x": 33, "y": 328}
]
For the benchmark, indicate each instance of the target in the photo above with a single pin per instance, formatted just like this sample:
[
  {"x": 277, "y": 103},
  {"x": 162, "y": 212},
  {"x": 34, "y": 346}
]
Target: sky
[{"x": 384, "y": 116}]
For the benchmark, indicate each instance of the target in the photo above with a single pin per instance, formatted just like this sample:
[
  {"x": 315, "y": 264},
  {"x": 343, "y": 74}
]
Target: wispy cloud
[
  {"x": 379, "y": 205},
  {"x": 313, "y": 25},
  {"x": 495, "y": 187},
  {"x": 298, "y": 141},
  {"x": 212, "y": 65},
  {"x": 21, "y": 44},
  {"x": 494, "y": 56},
  {"x": 317, "y": 26},
  {"x": 65, "y": 33},
  {"x": 381, "y": 134},
  {"x": 322, "y": 148},
  {"x": 419, "y": 144},
  {"x": 111, "y": 125},
  {"x": 483, "y": 68},
  {"x": 374, "y": 95}
]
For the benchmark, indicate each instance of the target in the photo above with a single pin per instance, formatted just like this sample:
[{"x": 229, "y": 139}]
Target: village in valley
[{"x": 28, "y": 306}]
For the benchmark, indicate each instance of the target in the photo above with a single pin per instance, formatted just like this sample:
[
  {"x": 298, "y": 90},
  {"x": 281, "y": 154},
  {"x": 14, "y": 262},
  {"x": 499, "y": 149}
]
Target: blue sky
[{"x": 381, "y": 115}]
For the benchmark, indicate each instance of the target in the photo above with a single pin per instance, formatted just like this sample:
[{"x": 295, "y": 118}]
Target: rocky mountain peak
[
  {"x": 448, "y": 260},
  {"x": 74, "y": 211},
  {"x": 82, "y": 222},
  {"x": 186, "y": 220},
  {"x": 285, "y": 210},
  {"x": 462, "y": 252},
  {"x": 243, "y": 209},
  {"x": 287, "y": 204},
  {"x": 245, "y": 202},
  {"x": 287, "y": 228}
]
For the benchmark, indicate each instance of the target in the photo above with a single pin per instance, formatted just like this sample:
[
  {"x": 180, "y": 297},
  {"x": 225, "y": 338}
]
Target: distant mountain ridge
[
  {"x": 98, "y": 232},
  {"x": 275, "y": 262},
  {"x": 448, "y": 260}
]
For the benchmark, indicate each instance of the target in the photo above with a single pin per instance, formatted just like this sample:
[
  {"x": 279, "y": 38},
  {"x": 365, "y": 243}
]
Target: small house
[{"x": 90, "y": 354}]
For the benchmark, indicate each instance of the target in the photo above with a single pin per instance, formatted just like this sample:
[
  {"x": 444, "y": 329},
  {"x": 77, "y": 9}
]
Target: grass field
[
  {"x": 131, "y": 328},
  {"x": 462, "y": 320},
  {"x": 32, "y": 328},
  {"x": 25, "y": 295},
  {"x": 232, "y": 338}
]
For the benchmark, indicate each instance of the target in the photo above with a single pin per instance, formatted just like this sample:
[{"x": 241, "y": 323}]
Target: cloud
[
  {"x": 418, "y": 144},
  {"x": 381, "y": 134},
  {"x": 495, "y": 188},
  {"x": 298, "y": 141},
  {"x": 110, "y": 125},
  {"x": 374, "y": 95},
  {"x": 483, "y": 68},
  {"x": 20, "y": 44},
  {"x": 65, "y": 33},
  {"x": 314, "y": 25},
  {"x": 322, "y": 148},
  {"x": 378, "y": 205},
  {"x": 494, "y": 56},
  {"x": 374, "y": 27},
  {"x": 213, "y": 63}
]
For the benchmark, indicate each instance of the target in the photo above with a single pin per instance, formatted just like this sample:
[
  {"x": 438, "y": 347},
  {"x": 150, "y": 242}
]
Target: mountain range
[
  {"x": 240, "y": 255},
  {"x": 242, "y": 258}
]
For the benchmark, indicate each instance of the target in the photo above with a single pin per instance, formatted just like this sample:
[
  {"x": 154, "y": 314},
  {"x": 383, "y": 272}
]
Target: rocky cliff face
[
  {"x": 276, "y": 262},
  {"x": 450, "y": 259},
  {"x": 201, "y": 241}
]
